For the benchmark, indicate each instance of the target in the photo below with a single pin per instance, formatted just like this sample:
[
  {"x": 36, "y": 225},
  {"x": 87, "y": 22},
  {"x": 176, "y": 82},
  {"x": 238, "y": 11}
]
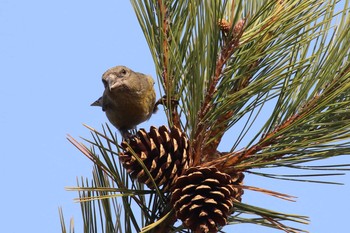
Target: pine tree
[{"x": 220, "y": 63}]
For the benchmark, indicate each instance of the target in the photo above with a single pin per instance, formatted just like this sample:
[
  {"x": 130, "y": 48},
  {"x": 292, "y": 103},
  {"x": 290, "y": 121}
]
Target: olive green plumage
[{"x": 128, "y": 99}]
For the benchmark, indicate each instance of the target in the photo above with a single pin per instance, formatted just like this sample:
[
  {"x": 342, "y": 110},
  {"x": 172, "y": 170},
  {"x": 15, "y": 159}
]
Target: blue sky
[{"x": 52, "y": 56}]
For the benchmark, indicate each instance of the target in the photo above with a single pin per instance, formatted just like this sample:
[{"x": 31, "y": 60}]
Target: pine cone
[
  {"x": 224, "y": 25},
  {"x": 237, "y": 29},
  {"x": 204, "y": 197},
  {"x": 164, "y": 153}
]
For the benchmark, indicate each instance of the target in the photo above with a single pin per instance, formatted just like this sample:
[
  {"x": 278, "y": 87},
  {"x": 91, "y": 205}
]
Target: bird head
[{"x": 115, "y": 77}]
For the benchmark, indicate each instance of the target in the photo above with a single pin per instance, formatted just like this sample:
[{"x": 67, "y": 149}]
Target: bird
[{"x": 128, "y": 99}]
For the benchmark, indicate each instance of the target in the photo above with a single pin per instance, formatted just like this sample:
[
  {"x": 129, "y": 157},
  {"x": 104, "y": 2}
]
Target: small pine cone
[
  {"x": 237, "y": 29},
  {"x": 204, "y": 197},
  {"x": 224, "y": 25},
  {"x": 164, "y": 153}
]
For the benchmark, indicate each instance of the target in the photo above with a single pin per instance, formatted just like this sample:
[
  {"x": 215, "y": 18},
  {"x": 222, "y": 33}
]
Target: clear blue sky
[{"x": 52, "y": 55}]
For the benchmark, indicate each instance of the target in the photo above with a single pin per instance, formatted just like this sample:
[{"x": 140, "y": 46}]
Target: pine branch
[
  {"x": 232, "y": 160},
  {"x": 219, "y": 62},
  {"x": 228, "y": 49},
  {"x": 219, "y": 127}
]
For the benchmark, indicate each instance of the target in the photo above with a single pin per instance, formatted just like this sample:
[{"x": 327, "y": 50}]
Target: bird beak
[{"x": 110, "y": 84}]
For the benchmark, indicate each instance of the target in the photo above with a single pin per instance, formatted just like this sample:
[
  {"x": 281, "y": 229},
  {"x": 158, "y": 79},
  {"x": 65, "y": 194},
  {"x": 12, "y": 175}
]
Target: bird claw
[{"x": 163, "y": 101}]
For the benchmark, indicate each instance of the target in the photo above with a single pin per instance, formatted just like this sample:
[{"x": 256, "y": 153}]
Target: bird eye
[{"x": 122, "y": 73}]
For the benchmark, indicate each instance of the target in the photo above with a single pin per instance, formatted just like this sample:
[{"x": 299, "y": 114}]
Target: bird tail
[{"x": 97, "y": 102}]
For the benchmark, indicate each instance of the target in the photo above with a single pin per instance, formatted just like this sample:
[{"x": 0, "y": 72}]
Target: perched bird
[{"x": 128, "y": 99}]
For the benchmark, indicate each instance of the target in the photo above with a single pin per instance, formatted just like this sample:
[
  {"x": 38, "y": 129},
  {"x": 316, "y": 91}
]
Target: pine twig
[
  {"x": 165, "y": 29},
  {"x": 165, "y": 44},
  {"x": 226, "y": 52}
]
